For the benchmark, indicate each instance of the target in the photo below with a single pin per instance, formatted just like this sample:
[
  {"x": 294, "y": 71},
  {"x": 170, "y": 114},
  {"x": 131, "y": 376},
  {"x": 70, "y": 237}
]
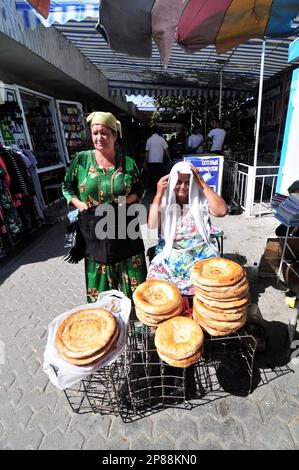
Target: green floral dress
[{"x": 97, "y": 185}]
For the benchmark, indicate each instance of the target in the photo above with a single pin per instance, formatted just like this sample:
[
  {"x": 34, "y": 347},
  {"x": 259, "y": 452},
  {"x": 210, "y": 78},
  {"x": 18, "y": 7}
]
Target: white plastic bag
[{"x": 69, "y": 374}]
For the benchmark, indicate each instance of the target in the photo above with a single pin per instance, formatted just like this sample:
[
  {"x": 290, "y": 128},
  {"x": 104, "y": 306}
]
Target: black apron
[{"x": 107, "y": 249}]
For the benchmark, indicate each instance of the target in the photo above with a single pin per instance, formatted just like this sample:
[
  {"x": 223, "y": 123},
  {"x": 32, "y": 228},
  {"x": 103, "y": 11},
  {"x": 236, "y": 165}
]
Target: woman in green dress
[{"x": 101, "y": 176}]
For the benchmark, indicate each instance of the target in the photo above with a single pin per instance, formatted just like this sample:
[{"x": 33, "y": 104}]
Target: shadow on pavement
[
  {"x": 47, "y": 242},
  {"x": 240, "y": 259}
]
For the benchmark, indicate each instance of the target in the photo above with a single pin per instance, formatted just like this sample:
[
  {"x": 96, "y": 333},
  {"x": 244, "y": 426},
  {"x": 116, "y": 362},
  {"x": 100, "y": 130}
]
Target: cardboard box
[{"x": 271, "y": 257}]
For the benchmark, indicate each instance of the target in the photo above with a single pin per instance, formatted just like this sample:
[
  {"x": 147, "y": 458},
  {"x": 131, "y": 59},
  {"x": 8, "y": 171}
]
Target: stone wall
[{"x": 56, "y": 50}]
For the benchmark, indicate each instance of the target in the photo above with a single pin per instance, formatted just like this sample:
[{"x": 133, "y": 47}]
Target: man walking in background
[
  {"x": 195, "y": 141},
  {"x": 155, "y": 148},
  {"x": 217, "y": 135}
]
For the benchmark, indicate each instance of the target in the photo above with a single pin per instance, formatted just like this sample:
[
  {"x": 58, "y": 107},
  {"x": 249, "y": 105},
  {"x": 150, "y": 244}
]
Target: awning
[
  {"x": 193, "y": 24},
  {"x": 149, "y": 89},
  {"x": 191, "y": 74},
  {"x": 60, "y": 11}
]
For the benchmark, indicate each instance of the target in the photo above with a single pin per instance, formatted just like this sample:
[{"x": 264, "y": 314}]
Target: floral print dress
[
  {"x": 188, "y": 248},
  {"x": 97, "y": 185}
]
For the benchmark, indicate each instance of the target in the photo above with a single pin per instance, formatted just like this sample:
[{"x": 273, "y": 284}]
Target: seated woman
[{"x": 181, "y": 208}]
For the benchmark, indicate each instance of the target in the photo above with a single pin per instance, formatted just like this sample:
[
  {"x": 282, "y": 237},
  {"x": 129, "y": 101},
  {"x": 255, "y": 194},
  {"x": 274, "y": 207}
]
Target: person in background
[
  {"x": 217, "y": 135},
  {"x": 195, "y": 141},
  {"x": 155, "y": 148},
  {"x": 181, "y": 209},
  {"x": 104, "y": 175}
]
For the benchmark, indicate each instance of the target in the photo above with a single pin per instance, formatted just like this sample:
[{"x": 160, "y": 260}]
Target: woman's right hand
[
  {"x": 82, "y": 206},
  {"x": 162, "y": 185}
]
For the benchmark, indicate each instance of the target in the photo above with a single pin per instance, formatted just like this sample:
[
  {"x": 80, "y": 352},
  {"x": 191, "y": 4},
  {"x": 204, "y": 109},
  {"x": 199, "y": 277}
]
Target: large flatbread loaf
[
  {"x": 157, "y": 297},
  {"x": 216, "y": 272},
  {"x": 219, "y": 325},
  {"x": 85, "y": 332},
  {"x": 182, "y": 362},
  {"x": 95, "y": 357},
  {"x": 178, "y": 338}
]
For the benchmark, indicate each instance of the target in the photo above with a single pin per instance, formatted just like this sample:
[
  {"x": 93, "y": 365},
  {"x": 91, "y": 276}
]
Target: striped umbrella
[
  {"x": 41, "y": 6},
  {"x": 194, "y": 24},
  {"x": 187, "y": 74},
  {"x": 228, "y": 23}
]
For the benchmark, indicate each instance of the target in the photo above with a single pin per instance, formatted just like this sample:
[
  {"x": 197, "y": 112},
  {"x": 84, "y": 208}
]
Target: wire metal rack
[
  {"x": 226, "y": 367},
  {"x": 100, "y": 392},
  {"x": 139, "y": 383}
]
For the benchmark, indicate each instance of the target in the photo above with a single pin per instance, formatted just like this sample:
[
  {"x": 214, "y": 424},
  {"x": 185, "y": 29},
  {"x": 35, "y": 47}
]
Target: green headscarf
[{"x": 106, "y": 119}]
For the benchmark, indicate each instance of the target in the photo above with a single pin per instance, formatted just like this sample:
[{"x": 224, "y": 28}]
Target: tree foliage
[{"x": 200, "y": 111}]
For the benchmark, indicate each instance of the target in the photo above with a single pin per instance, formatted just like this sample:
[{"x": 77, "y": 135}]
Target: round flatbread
[
  {"x": 209, "y": 330},
  {"x": 94, "y": 357},
  {"x": 225, "y": 316},
  {"x": 182, "y": 362},
  {"x": 178, "y": 338},
  {"x": 160, "y": 318},
  {"x": 228, "y": 327},
  {"x": 85, "y": 332},
  {"x": 157, "y": 297},
  {"x": 216, "y": 272},
  {"x": 144, "y": 320},
  {"x": 236, "y": 294},
  {"x": 224, "y": 289},
  {"x": 223, "y": 303},
  {"x": 206, "y": 308}
]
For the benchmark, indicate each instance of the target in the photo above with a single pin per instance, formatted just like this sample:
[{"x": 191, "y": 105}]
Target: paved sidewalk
[{"x": 38, "y": 285}]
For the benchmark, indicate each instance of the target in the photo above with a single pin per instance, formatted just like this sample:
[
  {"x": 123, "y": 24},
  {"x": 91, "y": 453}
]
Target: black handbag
[
  {"x": 75, "y": 241},
  {"x": 107, "y": 251}
]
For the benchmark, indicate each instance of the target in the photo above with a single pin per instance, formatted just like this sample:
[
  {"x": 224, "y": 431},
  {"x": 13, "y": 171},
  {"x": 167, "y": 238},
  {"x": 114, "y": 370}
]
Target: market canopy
[{"x": 185, "y": 35}]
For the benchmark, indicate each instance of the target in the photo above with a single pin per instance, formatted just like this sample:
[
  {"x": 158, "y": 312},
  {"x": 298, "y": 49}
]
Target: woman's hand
[
  {"x": 82, "y": 206},
  {"x": 162, "y": 185},
  {"x": 198, "y": 176}
]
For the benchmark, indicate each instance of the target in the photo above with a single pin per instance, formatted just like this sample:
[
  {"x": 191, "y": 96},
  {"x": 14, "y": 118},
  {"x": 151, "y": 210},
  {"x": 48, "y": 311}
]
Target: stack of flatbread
[
  {"x": 86, "y": 336},
  {"x": 179, "y": 341},
  {"x": 156, "y": 301},
  {"x": 221, "y": 295}
]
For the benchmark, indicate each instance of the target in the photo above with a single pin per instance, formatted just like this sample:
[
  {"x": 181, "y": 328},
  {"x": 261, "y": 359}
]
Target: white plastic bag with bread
[{"x": 68, "y": 374}]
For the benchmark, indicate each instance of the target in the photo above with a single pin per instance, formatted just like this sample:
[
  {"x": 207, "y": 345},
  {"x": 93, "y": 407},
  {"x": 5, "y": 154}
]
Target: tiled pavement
[{"x": 37, "y": 285}]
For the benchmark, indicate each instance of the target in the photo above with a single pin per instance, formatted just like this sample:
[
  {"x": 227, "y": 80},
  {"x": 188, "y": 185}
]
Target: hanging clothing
[
  {"x": 38, "y": 198},
  {"x": 10, "y": 222},
  {"x": 20, "y": 179},
  {"x": 126, "y": 26},
  {"x": 21, "y": 188}
]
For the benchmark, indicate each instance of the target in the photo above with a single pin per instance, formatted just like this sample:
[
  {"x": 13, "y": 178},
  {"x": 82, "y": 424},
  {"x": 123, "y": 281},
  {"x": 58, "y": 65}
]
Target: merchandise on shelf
[
  {"x": 21, "y": 201},
  {"x": 11, "y": 120},
  {"x": 42, "y": 130},
  {"x": 73, "y": 127}
]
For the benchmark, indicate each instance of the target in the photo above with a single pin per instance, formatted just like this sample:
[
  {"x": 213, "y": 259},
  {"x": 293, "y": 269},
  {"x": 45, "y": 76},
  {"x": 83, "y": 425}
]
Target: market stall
[
  {"x": 72, "y": 124},
  {"x": 170, "y": 355},
  {"x": 21, "y": 199},
  {"x": 13, "y": 126}
]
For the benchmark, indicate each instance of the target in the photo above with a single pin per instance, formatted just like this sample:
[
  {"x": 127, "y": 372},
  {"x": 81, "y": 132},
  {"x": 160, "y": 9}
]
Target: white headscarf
[{"x": 198, "y": 205}]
